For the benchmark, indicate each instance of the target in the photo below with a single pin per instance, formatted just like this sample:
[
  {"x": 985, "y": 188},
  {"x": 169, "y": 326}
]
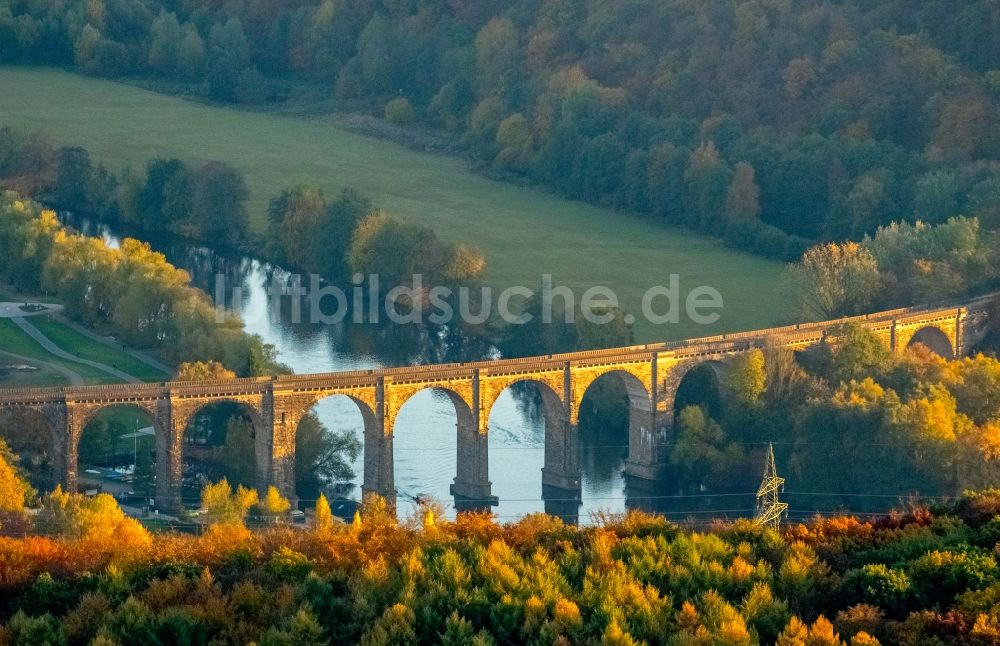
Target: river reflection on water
[{"x": 425, "y": 443}]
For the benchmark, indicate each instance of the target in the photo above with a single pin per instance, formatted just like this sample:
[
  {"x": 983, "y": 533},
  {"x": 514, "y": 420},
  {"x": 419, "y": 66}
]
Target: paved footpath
[
  {"x": 138, "y": 354},
  {"x": 12, "y": 310},
  {"x": 74, "y": 377},
  {"x": 55, "y": 350}
]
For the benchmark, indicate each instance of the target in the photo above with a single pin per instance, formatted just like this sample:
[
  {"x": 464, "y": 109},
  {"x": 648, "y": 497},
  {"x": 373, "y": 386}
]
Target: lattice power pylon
[{"x": 770, "y": 509}]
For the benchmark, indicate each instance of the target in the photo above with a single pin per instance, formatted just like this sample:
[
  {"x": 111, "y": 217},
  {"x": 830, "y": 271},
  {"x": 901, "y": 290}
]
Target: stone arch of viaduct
[{"x": 650, "y": 374}]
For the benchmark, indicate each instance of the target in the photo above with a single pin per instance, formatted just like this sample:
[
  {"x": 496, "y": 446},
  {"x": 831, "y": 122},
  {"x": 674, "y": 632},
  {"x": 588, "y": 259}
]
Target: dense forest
[
  {"x": 771, "y": 122},
  {"x": 856, "y": 425},
  {"x": 90, "y": 575}
]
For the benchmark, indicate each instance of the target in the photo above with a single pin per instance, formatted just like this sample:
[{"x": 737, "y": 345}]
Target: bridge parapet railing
[
  {"x": 296, "y": 379},
  {"x": 598, "y": 353},
  {"x": 212, "y": 382},
  {"x": 694, "y": 342},
  {"x": 112, "y": 387},
  {"x": 743, "y": 335},
  {"x": 12, "y": 392},
  {"x": 923, "y": 316},
  {"x": 891, "y": 313},
  {"x": 718, "y": 347},
  {"x": 19, "y": 395},
  {"x": 784, "y": 329}
]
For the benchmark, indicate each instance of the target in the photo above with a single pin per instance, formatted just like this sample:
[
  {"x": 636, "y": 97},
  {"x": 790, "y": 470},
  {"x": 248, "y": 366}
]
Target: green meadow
[
  {"x": 14, "y": 339},
  {"x": 42, "y": 377},
  {"x": 525, "y": 232},
  {"x": 86, "y": 348}
]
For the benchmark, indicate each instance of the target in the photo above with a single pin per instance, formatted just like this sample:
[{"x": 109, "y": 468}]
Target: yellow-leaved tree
[
  {"x": 821, "y": 633},
  {"x": 274, "y": 504},
  {"x": 223, "y": 505},
  {"x": 836, "y": 280},
  {"x": 203, "y": 371},
  {"x": 323, "y": 522},
  {"x": 14, "y": 490},
  {"x": 98, "y": 521}
]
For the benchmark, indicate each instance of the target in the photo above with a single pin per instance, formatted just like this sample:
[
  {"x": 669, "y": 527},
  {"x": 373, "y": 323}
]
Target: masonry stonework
[{"x": 650, "y": 374}]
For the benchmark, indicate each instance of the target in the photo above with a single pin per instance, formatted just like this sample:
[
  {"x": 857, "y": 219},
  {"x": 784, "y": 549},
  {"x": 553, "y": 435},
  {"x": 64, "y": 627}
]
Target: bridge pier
[
  {"x": 643, "y": 494},
  {"x": 168, "y": 484},
  {"x": 649, "y": 432},
  {"x": 562, "y": 493},
  {"x": 563, "y": 504},
  {"x": 67, "y": 449},
  {"x": 561, "y": 474},
  {"x": 472, "y": 488},
  {"x": 274, "y": 447},
  {"x": 170, "y": 457},
  {"x": 379, "y": 475},
  {"x": 646, "y": 470},
  {"x": 279, "y": 457}
]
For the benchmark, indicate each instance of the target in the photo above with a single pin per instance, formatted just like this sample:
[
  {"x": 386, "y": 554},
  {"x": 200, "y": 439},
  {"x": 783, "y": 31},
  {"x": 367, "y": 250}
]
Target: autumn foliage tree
[
  {"x": 203, "y": 371},
  {"x": 224, "y": 505},
  {"x": 131, "y": 289},
  {"x": 14, "y": 490},
  {"x": 901, "y": 264},
  {"x": 837, "y": 280}
]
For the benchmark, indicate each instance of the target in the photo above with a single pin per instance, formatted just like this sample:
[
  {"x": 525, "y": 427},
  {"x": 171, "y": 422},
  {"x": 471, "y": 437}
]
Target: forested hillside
[
  {"x": 771, "y": 122},
  {"x": 924, "y": 577}
]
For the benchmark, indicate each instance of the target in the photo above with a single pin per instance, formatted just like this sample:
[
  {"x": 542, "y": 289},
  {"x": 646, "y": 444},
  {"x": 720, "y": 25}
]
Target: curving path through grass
[
  {"x": 135, "y": 354},
  {"x": 56, "y": 351},
  {"x": 68, "y": 340}
]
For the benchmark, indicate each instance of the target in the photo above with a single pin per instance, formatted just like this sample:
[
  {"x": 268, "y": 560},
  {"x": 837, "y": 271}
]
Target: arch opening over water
[
  {"x": 615, "y": 419},
  {"x": 432, "y": 426},
  {"x": 332, "y": 446},
  {"x": 701, "y": 386},
  {"x": 529, "y": 434}
]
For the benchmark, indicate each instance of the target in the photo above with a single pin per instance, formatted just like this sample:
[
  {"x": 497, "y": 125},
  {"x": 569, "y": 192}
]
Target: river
[{"x": 425, "y": 443}]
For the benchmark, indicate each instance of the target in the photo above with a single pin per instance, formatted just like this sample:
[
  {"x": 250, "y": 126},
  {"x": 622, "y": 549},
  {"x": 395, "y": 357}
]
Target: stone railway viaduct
[{"x": 651, "y": 375}]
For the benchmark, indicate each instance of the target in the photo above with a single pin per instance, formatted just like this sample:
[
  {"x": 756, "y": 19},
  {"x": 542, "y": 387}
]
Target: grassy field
[
  {"x": 75, "y": 343},
  {"x": 13, "y": 339},
  {"x": 525, "y": 232},
  {"x": 41, "y": 377}
]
